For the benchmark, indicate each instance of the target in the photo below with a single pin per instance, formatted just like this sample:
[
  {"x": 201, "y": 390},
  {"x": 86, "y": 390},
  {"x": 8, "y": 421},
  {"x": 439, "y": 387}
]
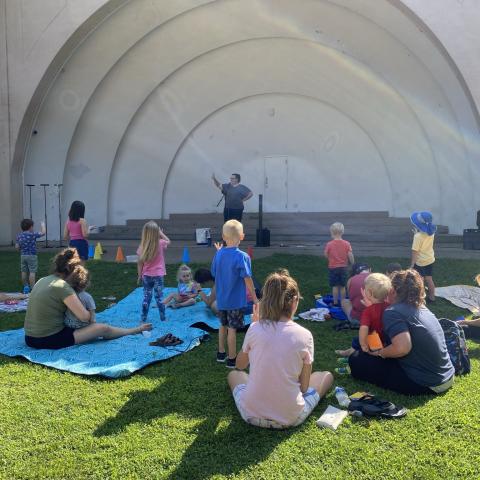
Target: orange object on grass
[
  {"x": 374, "y": 341},
  {"x": 120, "y": 257}
]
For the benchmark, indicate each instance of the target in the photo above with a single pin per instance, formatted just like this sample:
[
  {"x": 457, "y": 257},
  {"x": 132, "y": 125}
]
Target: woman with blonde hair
[
  {"x": 281, "y": 390},
  {"x": 151, "y": 266}
]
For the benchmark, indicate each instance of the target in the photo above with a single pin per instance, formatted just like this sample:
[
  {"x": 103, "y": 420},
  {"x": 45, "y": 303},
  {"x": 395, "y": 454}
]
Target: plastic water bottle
[
  {"x": 26, "y": 290},
  {"x": 342, "y": 397}
]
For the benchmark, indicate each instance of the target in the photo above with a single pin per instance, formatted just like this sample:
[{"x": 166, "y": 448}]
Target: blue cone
[
  {"x": 186, "y": 255},
  {"x": 91, "y": 251}
]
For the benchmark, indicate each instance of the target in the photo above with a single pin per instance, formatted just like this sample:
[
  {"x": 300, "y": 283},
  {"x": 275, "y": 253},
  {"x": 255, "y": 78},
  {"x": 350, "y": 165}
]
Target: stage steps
[{"x": 285, "y": 228}]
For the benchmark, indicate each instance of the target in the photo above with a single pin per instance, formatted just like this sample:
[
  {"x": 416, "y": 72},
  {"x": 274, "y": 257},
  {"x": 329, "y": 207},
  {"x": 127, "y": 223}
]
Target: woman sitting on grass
[
  {"x": 281, "y": 390},
  {"x": 48, "y": 302},
  {"x": 416, "y": 361}
]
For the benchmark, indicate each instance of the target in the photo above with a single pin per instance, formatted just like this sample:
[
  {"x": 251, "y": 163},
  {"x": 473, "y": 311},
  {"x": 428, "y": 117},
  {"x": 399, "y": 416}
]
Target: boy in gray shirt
[{"x": 79, "y": 280}]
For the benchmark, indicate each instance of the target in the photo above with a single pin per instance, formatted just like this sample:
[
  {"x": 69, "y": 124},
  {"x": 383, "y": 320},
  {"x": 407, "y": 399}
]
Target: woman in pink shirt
[
  {"x": 281, "y": 390},
  {"x": 76, "y": 229},
  {"x": 151, "y": 267}
]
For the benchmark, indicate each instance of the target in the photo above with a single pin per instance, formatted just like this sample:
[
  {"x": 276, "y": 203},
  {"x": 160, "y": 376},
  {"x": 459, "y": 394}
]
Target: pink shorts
[{"x": 311, "y": 398}]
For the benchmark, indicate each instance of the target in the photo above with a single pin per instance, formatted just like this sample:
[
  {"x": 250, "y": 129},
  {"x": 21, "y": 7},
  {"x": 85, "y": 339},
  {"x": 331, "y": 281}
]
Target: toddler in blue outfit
[
  {"x": 26, "y": 242},
  {"x": 233, "y": 277}
]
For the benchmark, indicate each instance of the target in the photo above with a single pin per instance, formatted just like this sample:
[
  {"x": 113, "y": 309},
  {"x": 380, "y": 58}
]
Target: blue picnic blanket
[{"x": 122, "y": 356}]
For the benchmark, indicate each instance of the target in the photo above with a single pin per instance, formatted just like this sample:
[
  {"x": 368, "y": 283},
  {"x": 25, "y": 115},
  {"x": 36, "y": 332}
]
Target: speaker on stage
[
  {"x": 478, "y": 218},
  {"x": 471, "y": 239},
  {"x": 263, "y": 237},
  {"x": 263, "y": 234}
]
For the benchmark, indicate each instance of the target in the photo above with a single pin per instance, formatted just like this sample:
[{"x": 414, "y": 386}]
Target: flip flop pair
[{"x": 167, "y": 340}]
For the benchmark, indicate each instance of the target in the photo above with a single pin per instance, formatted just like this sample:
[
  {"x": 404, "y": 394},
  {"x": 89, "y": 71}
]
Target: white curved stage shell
[{"x": 321, "y": 105}]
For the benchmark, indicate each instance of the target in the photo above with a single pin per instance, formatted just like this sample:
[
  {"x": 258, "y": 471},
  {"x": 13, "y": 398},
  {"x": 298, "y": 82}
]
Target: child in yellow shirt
[{"x": 423, "y": 256}]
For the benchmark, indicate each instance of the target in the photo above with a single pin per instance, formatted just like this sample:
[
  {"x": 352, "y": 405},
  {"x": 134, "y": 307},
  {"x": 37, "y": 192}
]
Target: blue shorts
[
  {"x": 81, "y": 246},
  {"x": 337, "y": 277}
]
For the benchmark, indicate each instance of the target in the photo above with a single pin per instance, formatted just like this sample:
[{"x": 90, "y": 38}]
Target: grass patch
[{"x": 176, "y": 419}]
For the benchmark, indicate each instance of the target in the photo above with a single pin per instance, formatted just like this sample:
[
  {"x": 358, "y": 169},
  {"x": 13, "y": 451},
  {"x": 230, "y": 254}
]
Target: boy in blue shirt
[
  {"x": 233, "y": 276},
  {"x": 27, "y": 244}
]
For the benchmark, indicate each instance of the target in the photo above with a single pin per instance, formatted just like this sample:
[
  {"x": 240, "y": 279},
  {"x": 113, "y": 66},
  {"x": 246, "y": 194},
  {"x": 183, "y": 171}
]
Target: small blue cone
[
  {"x": 91, "y": 251},
  {"x": 186, "y": 255}
]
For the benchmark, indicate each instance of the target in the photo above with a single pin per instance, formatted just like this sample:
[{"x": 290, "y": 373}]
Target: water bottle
[
  {"x": 26, "y": 290},
  {"x": 342, "y": 397}
]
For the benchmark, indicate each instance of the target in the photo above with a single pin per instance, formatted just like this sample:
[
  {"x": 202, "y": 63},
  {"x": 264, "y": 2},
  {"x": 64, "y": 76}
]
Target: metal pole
[
  {"x": 30, "y": 185},
  {"x": 59, "y": 186},
  {"x": 45, "y": 185}
]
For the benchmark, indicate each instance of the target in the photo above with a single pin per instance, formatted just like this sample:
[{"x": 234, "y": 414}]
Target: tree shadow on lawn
[{"x": 220, "y": 447}]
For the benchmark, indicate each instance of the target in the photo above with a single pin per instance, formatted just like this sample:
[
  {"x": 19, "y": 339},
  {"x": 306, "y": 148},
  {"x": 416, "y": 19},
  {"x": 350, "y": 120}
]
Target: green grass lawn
[{"x": 176, "y": 419}]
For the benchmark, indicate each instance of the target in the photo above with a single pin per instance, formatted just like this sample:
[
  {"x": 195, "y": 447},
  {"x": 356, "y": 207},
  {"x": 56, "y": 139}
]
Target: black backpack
[
  {"x": 372, "y": 406},
  {"x": 456, "y": 346}
]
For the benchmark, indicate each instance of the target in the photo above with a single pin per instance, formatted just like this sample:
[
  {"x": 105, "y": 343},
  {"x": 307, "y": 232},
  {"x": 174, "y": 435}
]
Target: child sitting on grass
[
  {"x": 370, "y": 335},
  {"x": 26, "y": 242},
  {"x": 187, "y": 289},
  {"x": 339, "y": 255},
  {"x": 281, "y": 390},
  {"x": 232, "y": 271},
  {"x": 79, "y": 280}
]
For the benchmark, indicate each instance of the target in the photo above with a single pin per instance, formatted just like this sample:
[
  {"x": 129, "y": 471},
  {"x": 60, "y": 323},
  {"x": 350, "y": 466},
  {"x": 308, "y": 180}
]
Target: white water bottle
[{"x": 342, "y": 397}]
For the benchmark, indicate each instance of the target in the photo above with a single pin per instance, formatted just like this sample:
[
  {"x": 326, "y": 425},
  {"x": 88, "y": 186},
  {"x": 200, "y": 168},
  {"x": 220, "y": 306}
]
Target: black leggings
[
  {"x": 386, "y": 373},
  {"x": 232, "y": 214}
]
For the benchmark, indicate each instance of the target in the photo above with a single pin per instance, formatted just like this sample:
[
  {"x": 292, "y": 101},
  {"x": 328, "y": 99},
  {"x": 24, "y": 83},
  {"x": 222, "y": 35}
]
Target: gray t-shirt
[
  {"x": 234, "y": 195},
  {"x": 428, "y": 362},
  {"x": 88, "y": 302}
]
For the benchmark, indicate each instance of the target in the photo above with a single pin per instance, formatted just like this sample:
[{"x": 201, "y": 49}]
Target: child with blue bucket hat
[{"x": 423, "y": 256}]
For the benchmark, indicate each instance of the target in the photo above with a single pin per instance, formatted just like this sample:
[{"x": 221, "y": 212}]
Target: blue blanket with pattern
[{"x": 123, "y": 356}]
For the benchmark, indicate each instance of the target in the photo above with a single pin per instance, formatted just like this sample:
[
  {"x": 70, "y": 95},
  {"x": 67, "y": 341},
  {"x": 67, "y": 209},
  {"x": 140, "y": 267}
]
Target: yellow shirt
[{"x": 423, "y": 245}]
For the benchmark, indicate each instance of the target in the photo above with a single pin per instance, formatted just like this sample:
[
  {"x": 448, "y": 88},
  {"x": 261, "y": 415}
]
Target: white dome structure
[{"x": 321, "y": 105}]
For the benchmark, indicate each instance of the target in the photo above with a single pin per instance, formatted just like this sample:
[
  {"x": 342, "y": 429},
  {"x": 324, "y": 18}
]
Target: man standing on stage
[{"x": 235, "y": 194}]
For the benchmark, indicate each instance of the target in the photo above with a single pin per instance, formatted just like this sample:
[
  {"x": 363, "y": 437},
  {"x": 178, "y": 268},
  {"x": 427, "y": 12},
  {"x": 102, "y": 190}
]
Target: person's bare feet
[
  {"x": 344, "y": 353},
  {"x": 144, "y": 327}
]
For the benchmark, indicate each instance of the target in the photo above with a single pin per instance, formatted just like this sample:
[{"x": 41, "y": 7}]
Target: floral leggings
[{"x": 155, "y": 285}]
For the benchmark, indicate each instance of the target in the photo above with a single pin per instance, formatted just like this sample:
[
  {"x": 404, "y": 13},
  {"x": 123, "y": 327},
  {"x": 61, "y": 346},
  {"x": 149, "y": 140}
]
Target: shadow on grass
[{"x": 220, "y": 447}]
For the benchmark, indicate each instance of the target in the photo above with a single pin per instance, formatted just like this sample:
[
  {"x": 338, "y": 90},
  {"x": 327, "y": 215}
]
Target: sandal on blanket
[
  {"x": 167, "y": 340},
  {"x": 172, "y": 341},
  {"x": 160, "y": 342}
]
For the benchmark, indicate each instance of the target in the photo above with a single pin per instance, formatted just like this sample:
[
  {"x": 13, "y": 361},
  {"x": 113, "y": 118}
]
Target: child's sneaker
[
  {"x": 342, "y": 361},
  {"x": 231, "y": 362},
  {"x": 221, "y": 357},
  {"x": 343, "y": 370}
]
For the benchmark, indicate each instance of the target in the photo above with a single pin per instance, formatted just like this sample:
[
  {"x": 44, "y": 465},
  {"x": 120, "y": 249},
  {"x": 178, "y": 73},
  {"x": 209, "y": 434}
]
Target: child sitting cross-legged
[
  {"x": 79, "y": 280},
  {"x": 281, "y": 390},
  {"x": 187, "y": 289},
  {"x": 370, "y": 335}
]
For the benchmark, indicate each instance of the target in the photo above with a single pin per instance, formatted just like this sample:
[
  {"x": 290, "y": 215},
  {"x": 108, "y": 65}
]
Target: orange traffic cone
[
  {"x": 250, "y": 252},
  {"x": 120, "y": 257}
]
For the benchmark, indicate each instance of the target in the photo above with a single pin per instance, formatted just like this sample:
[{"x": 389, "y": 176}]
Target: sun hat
[{"x": 424, "y": 222}]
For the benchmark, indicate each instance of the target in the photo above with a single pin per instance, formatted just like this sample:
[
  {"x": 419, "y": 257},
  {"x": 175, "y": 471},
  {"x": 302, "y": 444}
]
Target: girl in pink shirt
[
  {"x": 281, "y": 390},
  {"x": 76, "y": 229},
  {"x": 151, "y": 266}
]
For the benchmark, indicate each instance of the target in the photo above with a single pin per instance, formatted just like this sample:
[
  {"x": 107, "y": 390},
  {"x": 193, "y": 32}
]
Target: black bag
[
  {"x": 372, "y": 406},
  {"x": 456, "y": 345}
]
